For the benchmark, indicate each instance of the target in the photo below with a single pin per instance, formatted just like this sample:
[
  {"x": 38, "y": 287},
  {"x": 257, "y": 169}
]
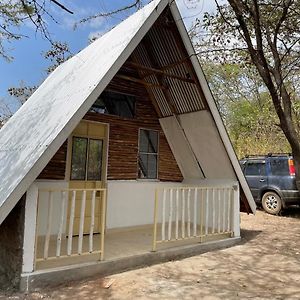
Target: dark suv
[{"x": 271, "y": 179}]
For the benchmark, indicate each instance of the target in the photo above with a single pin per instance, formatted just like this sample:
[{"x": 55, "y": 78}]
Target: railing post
[
  {"x": 30, "y": 230},
  {"x": 155, "y": 221},
  {"x": 103, "y": 222},
  {"x": 235, "y": 215}
]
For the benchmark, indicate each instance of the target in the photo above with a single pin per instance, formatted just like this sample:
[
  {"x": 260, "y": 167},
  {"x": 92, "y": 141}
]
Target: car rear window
[
  {"x": 279, "y": 167},
  {"x": 255, "y": 168}
]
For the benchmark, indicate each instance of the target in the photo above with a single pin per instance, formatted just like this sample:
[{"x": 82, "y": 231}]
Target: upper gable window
[{"x": 117, "y": 104}]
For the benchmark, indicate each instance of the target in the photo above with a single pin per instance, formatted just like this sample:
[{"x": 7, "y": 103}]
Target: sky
[{"x": 28, "y": 65}]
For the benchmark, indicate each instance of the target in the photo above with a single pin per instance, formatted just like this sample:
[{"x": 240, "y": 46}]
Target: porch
[{"x": 182, "y": 216}]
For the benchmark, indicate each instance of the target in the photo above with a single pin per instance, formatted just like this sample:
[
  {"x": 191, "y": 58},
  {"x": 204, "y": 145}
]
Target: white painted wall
[{"x": 131, "y": 203}]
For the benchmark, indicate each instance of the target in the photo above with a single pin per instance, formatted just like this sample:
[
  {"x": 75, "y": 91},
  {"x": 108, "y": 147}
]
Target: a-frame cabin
[{"x": 119, "y": 159}]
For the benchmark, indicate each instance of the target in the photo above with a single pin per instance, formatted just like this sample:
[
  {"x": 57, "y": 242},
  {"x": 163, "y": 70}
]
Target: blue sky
[{"x": 29, "y": 65}]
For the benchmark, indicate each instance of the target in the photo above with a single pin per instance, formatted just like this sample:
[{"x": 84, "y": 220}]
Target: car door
[{"x": 256, "y": 176}]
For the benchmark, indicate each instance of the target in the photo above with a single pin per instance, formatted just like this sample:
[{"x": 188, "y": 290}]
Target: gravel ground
[{"x": 266, "y": 265}]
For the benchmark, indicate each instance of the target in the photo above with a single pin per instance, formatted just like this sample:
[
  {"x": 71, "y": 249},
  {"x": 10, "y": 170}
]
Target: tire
[{"x": 271, "y": 203}]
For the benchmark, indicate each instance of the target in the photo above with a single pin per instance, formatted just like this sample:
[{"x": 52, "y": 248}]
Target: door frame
[
  {"x": 105, "y": 150},
  {"x": 105, "y": 155}
]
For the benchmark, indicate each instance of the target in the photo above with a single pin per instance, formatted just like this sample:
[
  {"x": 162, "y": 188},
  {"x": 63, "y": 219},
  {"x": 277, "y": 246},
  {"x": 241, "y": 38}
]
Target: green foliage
[
  {"x": 250, "y": 51},
  {"x": 11, "y": 17},
  {"x": 57, "y": 54}
]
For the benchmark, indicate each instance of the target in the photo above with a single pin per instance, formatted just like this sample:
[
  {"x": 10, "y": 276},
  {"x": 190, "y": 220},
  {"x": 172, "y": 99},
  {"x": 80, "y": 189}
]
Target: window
[
  {"x": 256, "y": 168},
  {"x": 115, "y": 104},
  {"x": 279, "y": 167},
  {"x": 86, "y": 159},
  {"x": 148, "y": 154}
]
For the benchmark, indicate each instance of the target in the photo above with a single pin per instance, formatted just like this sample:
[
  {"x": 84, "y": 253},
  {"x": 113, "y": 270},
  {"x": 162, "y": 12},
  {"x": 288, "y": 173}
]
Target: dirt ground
[{"x": 266, "y": 265}]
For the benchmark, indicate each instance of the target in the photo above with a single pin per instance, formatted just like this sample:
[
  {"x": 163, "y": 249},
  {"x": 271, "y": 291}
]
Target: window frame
[
  {"x": 126, "y": 100},
  {"x": 148, "y": 153},
  {"x": 256, "y": 162},
  {"x": 88, "y": 138}
]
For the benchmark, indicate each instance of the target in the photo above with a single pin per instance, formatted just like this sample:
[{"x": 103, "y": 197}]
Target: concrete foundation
[
  {"x": 42, "y": 279},
  {"x": 11, "y": 247}
]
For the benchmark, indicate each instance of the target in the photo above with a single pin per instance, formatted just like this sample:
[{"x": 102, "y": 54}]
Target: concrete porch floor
[{"x": 119, "y": 243}]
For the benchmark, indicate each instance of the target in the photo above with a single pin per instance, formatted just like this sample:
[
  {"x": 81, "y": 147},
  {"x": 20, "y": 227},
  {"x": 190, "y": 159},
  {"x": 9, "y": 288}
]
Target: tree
[
  {"x": 14, "y": 14},
  {"x": 57, "y": 54},
  {"x": 267, "y": 34}
]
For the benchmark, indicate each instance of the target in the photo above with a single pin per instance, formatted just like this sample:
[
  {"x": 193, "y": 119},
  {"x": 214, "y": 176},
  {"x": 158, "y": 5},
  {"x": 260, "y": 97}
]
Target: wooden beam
[
  {"x": 137, "y": 80},
  {"x": 152, "y": 71},
  {"x": 149, "y": 90}
]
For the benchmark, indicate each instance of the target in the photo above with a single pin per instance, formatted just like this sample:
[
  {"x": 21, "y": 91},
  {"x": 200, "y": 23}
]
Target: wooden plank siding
[
  {"x": 56, "y": 168},
  {"x": 123, "y": 137}
]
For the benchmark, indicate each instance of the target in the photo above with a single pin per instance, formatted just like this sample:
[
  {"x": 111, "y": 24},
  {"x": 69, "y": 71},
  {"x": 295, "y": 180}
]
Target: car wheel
[{"x": 271, "y": 203}]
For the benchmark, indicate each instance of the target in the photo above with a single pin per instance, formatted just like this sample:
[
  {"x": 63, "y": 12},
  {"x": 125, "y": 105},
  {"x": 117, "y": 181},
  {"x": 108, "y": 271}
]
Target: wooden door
[{"x": 88, "y": 170}]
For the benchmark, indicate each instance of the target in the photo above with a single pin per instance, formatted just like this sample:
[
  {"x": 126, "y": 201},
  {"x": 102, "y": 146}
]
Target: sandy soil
[{"x": 266, "y": 265}]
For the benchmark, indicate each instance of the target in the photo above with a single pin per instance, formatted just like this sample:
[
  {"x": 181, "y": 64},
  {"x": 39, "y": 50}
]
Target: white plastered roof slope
[{"x": 33, "y": 135}]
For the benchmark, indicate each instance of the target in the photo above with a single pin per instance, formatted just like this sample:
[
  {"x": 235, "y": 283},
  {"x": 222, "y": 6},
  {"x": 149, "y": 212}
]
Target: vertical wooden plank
[
  {"x": 177, "y": 214},
  {"x": 170, "y": 215},
  {"x": 163, "y": 225},
  {"x": 201, "y": 205},
  {"x": 224, "y": 209},
  {"x": 103, "y": 222},
  {"x": 219, "y": 210},
  {"x": 92, "y": 226},
  {"x": 189, "y": 213},
  {"x": 228, "y": 208},
  {"x": 195, "y": 212},
  {"x": 30, "y": 229},
  {"x": 71, "y": 223},
  {"x": 213, "y": 210},
  {"x": 49, "y": 224},
  {"x": 61, "y": 223},
  {"x": 235, "y": 211},
  {"x": 206, "y": 211},
  {"x": 81, "y": 222},
  {"x": 155, "y": 221},
  {"x": 183, "y": 214}
]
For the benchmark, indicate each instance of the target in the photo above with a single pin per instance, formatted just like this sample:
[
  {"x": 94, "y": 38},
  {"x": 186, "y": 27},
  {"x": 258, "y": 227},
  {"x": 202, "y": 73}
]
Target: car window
[
  {"x": 255, "y": 168},
  {"x": 279, "y": 167}
]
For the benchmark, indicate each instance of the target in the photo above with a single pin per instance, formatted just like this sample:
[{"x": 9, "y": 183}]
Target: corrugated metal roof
[{"x": 163, "y": 47}]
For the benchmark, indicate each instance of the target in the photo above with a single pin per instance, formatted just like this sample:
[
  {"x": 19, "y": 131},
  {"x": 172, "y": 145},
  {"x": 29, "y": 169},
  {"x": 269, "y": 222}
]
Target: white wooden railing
[
  {"x": 182, "y": 213},
  {"x": 60, "y": 224}
]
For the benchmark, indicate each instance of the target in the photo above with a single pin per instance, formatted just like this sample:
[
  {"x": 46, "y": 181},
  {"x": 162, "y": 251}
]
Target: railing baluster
[
  {"x": 219, "y": 210},
  {"x": 229, "y": 210},
  {"x": 103, "y": 222},
  {"x": 213, "y": 210},
  {"x": 201, "y": 205},
  {"x": 163, "y": 225},
  {"x": 61, "y": 223},
  {"x": 177, "y": 213},
  {"x": 224, "y": 209},
  {"x": 195, "y": 211},
  {"x": 170, "y": 215},
  {"x": 183, "y": 214},
  {"x": 155, "y": 221},
  {"x": 49, "y": 225},
  {"x": 81, "y": 222},
  {"x": 189, "y": 213},
  {"x": 92, "y": 226},
  {"x": 206, "y": 211},
  {"x": 71, "y": 223}
]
